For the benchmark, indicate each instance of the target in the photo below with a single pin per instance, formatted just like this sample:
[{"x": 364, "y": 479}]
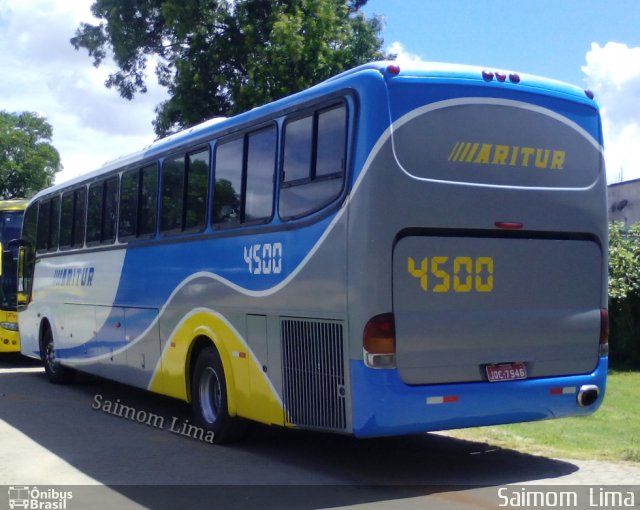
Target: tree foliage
[
  {"x": 624, "y": 261},
  {"x": 222, "y": 57},
  {"x": 28, "y": 161},
  {"x": 624, "y": 295}
]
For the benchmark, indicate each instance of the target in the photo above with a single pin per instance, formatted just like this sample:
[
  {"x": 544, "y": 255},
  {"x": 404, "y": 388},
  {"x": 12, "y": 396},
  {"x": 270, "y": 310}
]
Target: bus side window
[
  {"x": 48, "y": 225},
  {"x": 127, "y": 220},
  {"x": 228, "y": 183},
  {"x": 261, "y": 161},
  {"x": 79, "y": 217},
  {"x": 66, "y": 220},
  {"x": 197, "y": 189},
  {"x": 44, "y": 226},
  {"x": 94, "y": 213},
  {"x": 110, "y": 211},
  {"x": 101, "y": 212},
  {"x": 173, "y": 171},
  {"x": 54, "y": 232},
  {"x": 185, "y": 186},
  {"x": 138, "y": 200},
  {"x": 72, "y": 218},
  {"x": 148, "y": 200},
  {"x": 313, "y": 166},
  {"x": 27, "y": 263}
]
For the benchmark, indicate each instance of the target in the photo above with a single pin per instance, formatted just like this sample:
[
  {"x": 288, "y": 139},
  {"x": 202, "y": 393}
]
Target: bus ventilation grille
[{"x": 314, "y": 391}]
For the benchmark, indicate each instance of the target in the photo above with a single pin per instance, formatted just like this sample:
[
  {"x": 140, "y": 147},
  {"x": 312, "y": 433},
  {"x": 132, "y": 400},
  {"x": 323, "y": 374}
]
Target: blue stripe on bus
[
  {"x": 227, "y": 263},
  {"x": 384, "y": 405}
]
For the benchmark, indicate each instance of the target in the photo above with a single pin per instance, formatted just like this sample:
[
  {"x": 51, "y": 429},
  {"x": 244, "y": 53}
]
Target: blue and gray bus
[{"x": 395, "y": 250}]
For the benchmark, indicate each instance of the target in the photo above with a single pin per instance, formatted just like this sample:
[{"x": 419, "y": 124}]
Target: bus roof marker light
[
  {"x": 514, "y": 78},
  {"x": 487, "y": 75},
  {"x": 589, "y": 94},
  {"x": 501, "y": 77},
  {"x": 393, "y": 69},
  {"x": 509, "y": 225}
]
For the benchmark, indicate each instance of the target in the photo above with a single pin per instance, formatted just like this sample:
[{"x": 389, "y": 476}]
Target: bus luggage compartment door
[{"x": 463, "y": 303}]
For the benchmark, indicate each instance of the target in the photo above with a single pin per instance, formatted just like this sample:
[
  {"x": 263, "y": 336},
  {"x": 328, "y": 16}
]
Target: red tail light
[
  {"x": 604, "y": 332},
  {"x": 379, "y": 341},
  {"x": 380, "y": 335}
]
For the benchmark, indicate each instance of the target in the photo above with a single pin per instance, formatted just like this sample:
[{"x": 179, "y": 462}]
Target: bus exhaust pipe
[{"x": 588, "y": 395}]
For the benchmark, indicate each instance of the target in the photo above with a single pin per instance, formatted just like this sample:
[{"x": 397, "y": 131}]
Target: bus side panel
[{"x": 211, "y": 297}]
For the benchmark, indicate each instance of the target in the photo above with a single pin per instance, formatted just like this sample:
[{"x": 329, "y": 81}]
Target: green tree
[
  {"x": 624, "y": 261},
  {"x": 28, "y": 161},
  {"x": 624, "y": 294},
  {"x": 222, "y": 57}
]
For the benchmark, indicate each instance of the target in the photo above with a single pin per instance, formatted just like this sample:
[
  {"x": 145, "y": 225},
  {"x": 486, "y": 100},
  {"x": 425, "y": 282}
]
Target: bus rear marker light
[
  {"x": 487, "y": 75},
  {"x": 567, "y": 390},
  {"x": 509, "y": 225},
  {"x": 393, "y": 69},
  {"x": 446, "y": 399}
]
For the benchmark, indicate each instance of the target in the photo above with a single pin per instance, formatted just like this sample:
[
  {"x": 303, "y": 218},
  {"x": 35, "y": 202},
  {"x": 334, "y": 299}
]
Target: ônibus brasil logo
[{"x": 22, "y": 496}]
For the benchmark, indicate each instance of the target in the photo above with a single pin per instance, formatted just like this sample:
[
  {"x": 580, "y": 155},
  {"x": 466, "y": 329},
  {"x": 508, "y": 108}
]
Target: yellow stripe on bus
[{"x": 249, "y": 392}]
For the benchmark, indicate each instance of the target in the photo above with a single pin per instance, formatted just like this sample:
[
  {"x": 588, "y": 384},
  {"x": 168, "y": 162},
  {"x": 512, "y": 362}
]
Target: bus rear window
[{"x": 497, "y": 142}]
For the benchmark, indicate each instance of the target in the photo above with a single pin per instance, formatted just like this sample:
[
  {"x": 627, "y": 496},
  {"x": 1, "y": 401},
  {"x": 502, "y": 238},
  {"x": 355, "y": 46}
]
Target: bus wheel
[
  {"x": 209, "y": 397},
  {"x": 56, "y": 373}
]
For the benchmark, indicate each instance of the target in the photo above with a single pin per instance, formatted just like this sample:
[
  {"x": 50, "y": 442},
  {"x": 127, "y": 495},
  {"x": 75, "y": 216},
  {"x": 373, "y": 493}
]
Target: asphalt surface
[{"x": 52, "y": 437}]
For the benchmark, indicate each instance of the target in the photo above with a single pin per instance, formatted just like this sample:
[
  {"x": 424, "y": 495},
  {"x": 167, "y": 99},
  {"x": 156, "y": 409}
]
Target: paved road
[{"x": 51, "y": 436}]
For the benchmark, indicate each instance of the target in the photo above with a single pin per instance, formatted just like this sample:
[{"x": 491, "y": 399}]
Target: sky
[{"x": 594, "y": 44}]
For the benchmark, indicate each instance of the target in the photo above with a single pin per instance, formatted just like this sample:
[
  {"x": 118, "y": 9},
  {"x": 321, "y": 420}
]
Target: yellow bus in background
[{"x": 11, "y": 214}]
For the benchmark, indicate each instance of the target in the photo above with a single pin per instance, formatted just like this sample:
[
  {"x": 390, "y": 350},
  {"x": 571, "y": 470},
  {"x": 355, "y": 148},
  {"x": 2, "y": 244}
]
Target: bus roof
[{"x": 388, "y": 69}]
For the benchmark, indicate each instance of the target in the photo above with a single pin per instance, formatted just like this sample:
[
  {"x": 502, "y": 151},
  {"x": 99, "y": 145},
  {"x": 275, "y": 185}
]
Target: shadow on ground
[{"x": 272, "y": 468}]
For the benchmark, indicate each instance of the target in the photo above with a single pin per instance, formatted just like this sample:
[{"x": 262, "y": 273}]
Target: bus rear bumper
[{"x": 383, "y": 405}]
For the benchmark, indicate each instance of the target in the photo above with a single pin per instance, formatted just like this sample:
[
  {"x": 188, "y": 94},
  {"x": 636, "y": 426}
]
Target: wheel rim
[{"x": 210, "y": 395}]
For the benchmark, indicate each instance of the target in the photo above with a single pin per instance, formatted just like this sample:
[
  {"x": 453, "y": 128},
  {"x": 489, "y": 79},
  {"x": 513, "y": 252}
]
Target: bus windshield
[{"x": 10, "y": 225}]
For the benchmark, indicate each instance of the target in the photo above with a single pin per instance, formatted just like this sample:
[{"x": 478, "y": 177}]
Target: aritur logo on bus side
[
  {"x": 74, "y": 276},
  {"x": 507, "y": 155}
]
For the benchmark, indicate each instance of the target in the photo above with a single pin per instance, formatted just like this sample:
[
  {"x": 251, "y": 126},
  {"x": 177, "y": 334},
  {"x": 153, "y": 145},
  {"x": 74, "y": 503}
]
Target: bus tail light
[
  {"x": 393, "y": 69},
  {"x": 379, "y": 341},
  {"x": 604, "y": 332}
]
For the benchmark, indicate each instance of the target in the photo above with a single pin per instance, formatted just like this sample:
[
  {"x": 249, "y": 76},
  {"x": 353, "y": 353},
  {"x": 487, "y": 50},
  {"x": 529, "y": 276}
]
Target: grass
[{"x": 612, "y": 433}]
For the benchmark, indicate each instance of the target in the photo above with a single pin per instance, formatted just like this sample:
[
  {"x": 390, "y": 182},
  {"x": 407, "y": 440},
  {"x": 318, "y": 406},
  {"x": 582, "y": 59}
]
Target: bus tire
[
  {"x": 56, "y": 373},
  {"x": 209, "y": 399}
]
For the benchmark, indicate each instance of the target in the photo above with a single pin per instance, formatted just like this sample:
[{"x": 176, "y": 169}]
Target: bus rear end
[{"x": 484, "y": 206}]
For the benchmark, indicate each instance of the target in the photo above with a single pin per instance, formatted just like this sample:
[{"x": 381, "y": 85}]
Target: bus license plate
[{"x": 506, "y": 372}]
